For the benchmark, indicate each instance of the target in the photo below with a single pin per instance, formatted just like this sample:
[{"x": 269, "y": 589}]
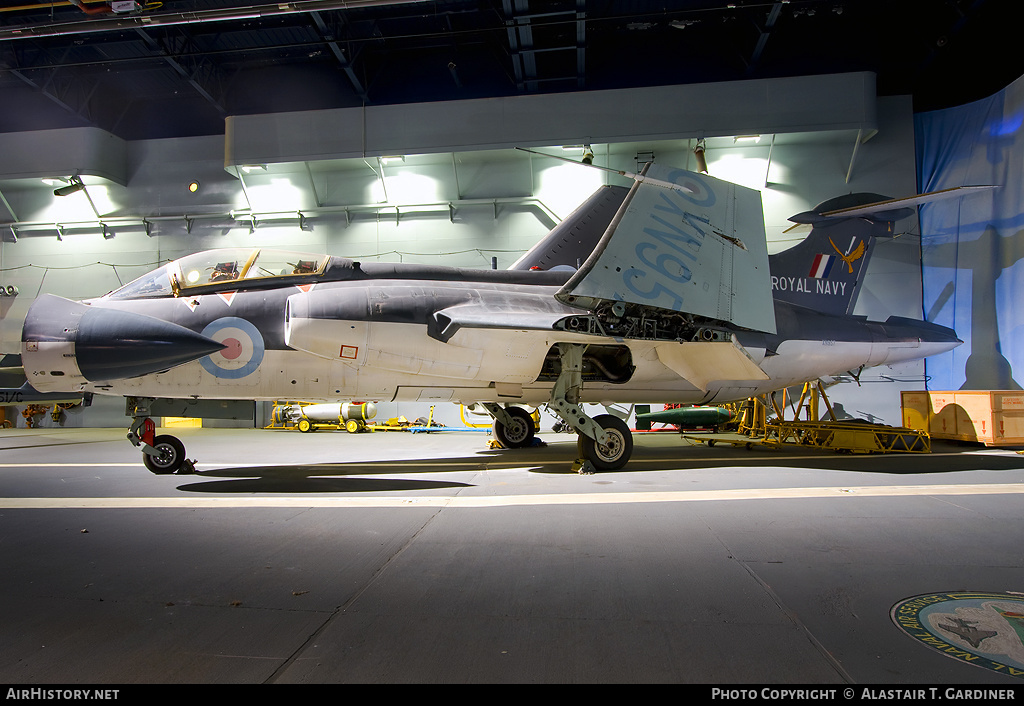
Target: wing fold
[{"x": 699, "y": 249}]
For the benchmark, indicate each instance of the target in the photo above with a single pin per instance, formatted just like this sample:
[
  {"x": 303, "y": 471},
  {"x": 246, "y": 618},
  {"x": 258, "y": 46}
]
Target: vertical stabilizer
[
  {"x": 825, "y": 271},
  {"x": 570, "y": 242}
]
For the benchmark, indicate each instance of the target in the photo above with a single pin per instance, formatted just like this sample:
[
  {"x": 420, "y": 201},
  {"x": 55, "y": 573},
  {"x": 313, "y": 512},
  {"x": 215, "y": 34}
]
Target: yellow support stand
[
  {"x": 839, "y": 436},
  {"x": 830, "y": 433}
]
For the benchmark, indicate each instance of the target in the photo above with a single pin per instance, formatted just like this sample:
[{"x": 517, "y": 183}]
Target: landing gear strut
[
  {"x": 160, "y": 454},
  {"x": 605, "y": 442},
  {"x": 513, "y": 426}
]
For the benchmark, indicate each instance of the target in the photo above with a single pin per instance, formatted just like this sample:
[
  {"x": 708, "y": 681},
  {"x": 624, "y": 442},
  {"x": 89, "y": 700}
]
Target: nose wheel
[
  {"x": 162, "y": 454},
  {"x": 169, "y": 457},
  {"x": 513, "y": 426}
]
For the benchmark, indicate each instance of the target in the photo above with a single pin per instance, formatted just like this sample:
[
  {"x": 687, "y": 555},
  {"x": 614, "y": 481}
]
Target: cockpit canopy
[{"x": 216, "y": 267}]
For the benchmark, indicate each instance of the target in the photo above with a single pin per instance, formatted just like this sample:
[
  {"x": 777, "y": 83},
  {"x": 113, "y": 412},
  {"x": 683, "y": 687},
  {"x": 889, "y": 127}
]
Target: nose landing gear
[
  {"x": 162, "y": 454},
  {"x": 513, "y": 426}
]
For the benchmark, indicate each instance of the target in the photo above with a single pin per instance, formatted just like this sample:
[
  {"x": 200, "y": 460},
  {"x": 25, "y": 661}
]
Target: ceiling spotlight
[
  {"x": 75, "y": 185},
  {"x": 193, "y": 187}
]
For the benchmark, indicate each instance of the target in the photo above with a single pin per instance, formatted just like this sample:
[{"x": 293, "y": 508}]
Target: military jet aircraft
[{"x": 657, "y": 293}]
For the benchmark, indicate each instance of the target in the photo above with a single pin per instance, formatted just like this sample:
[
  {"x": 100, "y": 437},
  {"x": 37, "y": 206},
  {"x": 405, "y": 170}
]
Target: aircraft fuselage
[{"x": 379, "y": 338}]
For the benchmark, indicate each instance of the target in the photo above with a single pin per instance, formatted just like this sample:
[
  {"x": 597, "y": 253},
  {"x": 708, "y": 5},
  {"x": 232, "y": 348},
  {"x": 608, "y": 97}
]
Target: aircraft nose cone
[
  {"x": 110, "y": 344},
  {"x": 119, "y": 344}
]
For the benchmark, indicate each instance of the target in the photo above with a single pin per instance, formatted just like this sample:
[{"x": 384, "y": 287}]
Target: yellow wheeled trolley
[{"x": 307, "y": 417}]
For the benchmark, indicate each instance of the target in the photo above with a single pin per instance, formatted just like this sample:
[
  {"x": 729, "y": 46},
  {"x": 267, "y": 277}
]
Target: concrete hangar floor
[{"x": 427, "y": 558}]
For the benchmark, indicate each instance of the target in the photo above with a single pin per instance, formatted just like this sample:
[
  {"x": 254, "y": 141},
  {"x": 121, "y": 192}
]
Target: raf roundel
[
  {"x": 698, "y": 191},
  {"x": 243, "y": 352}
]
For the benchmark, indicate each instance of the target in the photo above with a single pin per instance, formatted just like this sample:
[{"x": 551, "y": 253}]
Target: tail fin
[
  {"x": 570, "y": 243},
  {"x": 824, "y": 272}
]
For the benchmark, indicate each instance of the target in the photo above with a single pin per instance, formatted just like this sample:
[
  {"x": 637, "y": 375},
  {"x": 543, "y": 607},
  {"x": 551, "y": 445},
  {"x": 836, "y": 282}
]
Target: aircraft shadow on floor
[{"x": 555, "y": 458}]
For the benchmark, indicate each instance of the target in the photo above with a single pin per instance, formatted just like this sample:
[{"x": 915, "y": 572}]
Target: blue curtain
[{"x": 972, "y": 248}]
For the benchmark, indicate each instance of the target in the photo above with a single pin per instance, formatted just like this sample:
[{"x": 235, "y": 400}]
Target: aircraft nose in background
[{"x": 109, "y": 344}]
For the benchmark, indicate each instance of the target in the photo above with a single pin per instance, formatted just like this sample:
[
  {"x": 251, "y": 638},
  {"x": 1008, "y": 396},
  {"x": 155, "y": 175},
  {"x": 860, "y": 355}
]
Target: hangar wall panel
[
  {"x": 808, "y": 103},
  {"x": 65, "y": 151}
]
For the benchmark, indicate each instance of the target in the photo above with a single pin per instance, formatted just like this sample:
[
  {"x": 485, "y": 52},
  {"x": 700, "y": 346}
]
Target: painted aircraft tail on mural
[{"x": 824, "y": 271}]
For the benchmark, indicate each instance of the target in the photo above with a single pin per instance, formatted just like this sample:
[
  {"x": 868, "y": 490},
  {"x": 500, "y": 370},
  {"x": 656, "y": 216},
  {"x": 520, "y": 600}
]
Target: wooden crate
[{"x": 991, "y": 417}]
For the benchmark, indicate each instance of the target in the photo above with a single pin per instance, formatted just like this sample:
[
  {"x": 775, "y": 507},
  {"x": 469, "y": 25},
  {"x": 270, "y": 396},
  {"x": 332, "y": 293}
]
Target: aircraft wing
[
  {"x": 702, "y": 364},
  {"x": 536, "y": 314},
  {"x": 699, "y": 248}
]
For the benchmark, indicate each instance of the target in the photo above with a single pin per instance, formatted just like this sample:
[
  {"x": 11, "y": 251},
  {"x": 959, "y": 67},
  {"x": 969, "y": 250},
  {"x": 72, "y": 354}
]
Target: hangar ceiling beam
[
  {"x": 763, "y": 36},
  {"x": 526, "y": 48},
  {"x": 59, "y": 85},
  {"x": 168, "y": 19},
  {"x": 329, "y": 36},
  {"x": 520, "y": 44},
  {"x": 581, "y": 43},
  {"x": 180, "y": 53}
]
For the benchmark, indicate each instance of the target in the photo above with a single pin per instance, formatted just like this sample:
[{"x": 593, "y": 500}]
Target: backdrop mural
[{"x": 972, "y": 248}]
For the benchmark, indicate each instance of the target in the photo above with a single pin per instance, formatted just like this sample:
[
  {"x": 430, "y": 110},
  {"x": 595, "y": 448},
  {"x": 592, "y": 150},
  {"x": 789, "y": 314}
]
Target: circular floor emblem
[
  {"x": 244, "y": 351},
  {"x": 983, "y": 629}
]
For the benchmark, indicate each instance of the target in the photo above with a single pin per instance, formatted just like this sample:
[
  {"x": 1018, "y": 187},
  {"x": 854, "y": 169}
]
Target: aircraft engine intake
[{"x": 328, "y": 324}]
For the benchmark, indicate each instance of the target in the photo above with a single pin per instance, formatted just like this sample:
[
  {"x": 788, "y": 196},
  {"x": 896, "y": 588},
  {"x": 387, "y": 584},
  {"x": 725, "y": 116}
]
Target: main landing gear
[
  {"x": 161, "y": 454},
  {"x": 605, "y": 442},
  {"x": 513, "y": 426}
]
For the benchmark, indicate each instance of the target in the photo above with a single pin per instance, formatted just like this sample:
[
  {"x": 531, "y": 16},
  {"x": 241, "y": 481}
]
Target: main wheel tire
[
  {"x": 519, "y": 433},
  {"x": 171, "y": 458},
  {"x": 353, "y": 426},
  {"x": 305, "y": 426},
  {"x": 615, "y": 454}
]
